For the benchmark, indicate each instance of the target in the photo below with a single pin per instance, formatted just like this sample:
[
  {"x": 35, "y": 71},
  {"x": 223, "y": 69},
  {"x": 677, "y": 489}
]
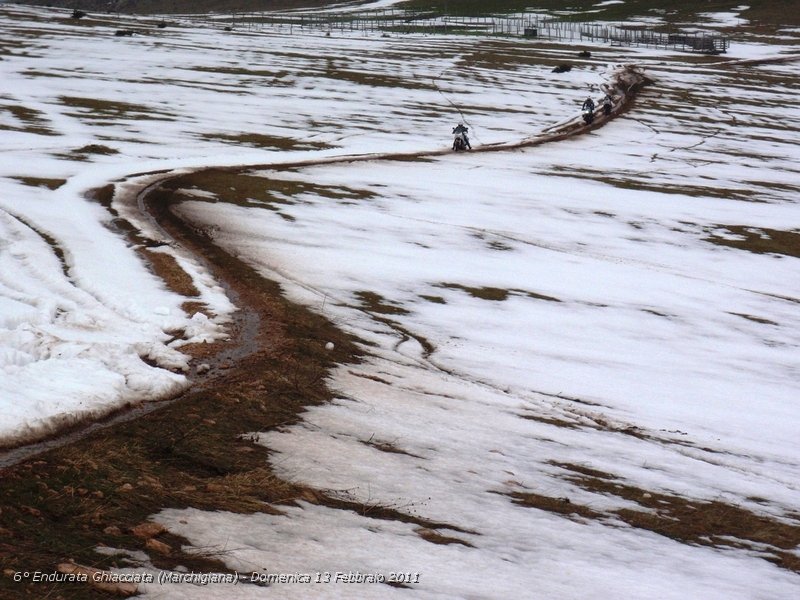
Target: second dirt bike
[
  {"x": 587, "y": 111},
  {"x": 461, "y": 141}
]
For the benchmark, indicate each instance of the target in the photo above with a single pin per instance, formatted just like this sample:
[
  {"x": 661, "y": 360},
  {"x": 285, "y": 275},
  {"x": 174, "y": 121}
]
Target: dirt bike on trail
[
  {"x": 461, "y": 141},
  {"x": 587, "y": 111}
]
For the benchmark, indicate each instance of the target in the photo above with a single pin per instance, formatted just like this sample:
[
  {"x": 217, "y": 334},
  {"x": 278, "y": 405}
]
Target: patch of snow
[{"x": 724, "y": 19}]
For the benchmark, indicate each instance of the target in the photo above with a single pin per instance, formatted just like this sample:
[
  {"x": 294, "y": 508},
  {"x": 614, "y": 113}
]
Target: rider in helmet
[
  {"x": 607, "y": 104},
  {"x": 588, "y": 105},
  {"x": 462, "y": 131}
]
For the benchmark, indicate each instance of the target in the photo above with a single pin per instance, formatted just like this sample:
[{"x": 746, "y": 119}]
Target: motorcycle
[
  {"x": 461, "y": 141},
  {"x": 588, "y": 112},
  {"x": 459, "y": 144},
  {"x": 607, "y": 105}
]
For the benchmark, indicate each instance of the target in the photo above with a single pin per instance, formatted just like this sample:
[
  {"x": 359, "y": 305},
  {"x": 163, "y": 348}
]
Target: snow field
[
  {"x": 543, "y": 306},
  {"x": 554, "y": 300}
]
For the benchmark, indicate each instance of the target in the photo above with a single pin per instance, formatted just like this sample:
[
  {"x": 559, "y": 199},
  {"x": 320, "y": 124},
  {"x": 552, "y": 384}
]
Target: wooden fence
[{"x": 530, "y": 25}]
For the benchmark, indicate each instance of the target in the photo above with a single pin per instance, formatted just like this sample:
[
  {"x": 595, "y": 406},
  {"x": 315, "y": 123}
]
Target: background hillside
[
  {"x": 178, "y": 6},
  {"x": 758, "y": 12}
]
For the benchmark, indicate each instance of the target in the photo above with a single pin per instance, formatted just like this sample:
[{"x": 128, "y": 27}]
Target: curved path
[{"x": 151, "y": 198}]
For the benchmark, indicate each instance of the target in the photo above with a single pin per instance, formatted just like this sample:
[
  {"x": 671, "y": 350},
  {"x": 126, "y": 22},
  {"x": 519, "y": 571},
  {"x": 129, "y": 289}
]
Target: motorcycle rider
[
  {"x": 607, "y": 105},
  {"x": 588, "y": 111},
  {"x": 460, "y": 130}
]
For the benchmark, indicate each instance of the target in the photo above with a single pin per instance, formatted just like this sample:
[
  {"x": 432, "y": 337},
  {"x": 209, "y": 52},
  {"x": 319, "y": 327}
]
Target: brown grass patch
[
  {"x": 434, "y": 537},
  {"x": 258, "y": 190},
  {"x": 494, "y": 294},
  {"x": 97, "y": 109},
  {"x": 754, "y": 318},
  {"x": 96, "y": 149},
  {"x": 433, "y": 299},
  {"x": 403, "y": 513},
  {"x": 707, "y": 523},
  {"x": 759, "y": 240},
  {"x": 167, "y": 268},
  {"x": 560, "y": 506},
  {"x": 332, "y": 71},
  {"x": 584, "y": 470},
  {"x": 377, "y": 304},
  {"x": 50, "y": 184},
  {"x": 389, "y": 447},
  {"x": 191, "y": 307},
  {"x": 260, "y": 140},
  {"x": 551, "y": 421},
  {"x": 370, "y": 377},
  {"x": 33, "y": 121}
]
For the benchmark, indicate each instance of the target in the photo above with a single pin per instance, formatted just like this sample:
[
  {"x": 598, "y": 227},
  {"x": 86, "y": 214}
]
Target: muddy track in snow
[{"x": 152, "y": 199}]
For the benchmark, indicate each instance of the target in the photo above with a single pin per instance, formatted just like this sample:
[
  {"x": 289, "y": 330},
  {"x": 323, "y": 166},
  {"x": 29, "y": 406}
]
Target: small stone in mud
[
  {"x": 147, "y": 530},
  {"x": 157, "y": 546},
  {"x": 125, "y": 487},
  {"x": 112, "y": 530},
  {"x": 309, "y": 496},
  {"x": 204, "y": 368},
  {"x": 329, "y": 346}
]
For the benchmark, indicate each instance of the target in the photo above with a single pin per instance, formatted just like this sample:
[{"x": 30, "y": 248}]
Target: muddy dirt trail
[{"x": 61, "y": 498}]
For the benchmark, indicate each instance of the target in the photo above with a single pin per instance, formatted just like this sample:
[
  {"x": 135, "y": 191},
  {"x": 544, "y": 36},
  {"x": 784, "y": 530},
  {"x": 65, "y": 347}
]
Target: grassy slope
[
  {"x": 761, "y": 12},
  {"x": 772, "y": 12},
  {"x": 178, "y": 6}
]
